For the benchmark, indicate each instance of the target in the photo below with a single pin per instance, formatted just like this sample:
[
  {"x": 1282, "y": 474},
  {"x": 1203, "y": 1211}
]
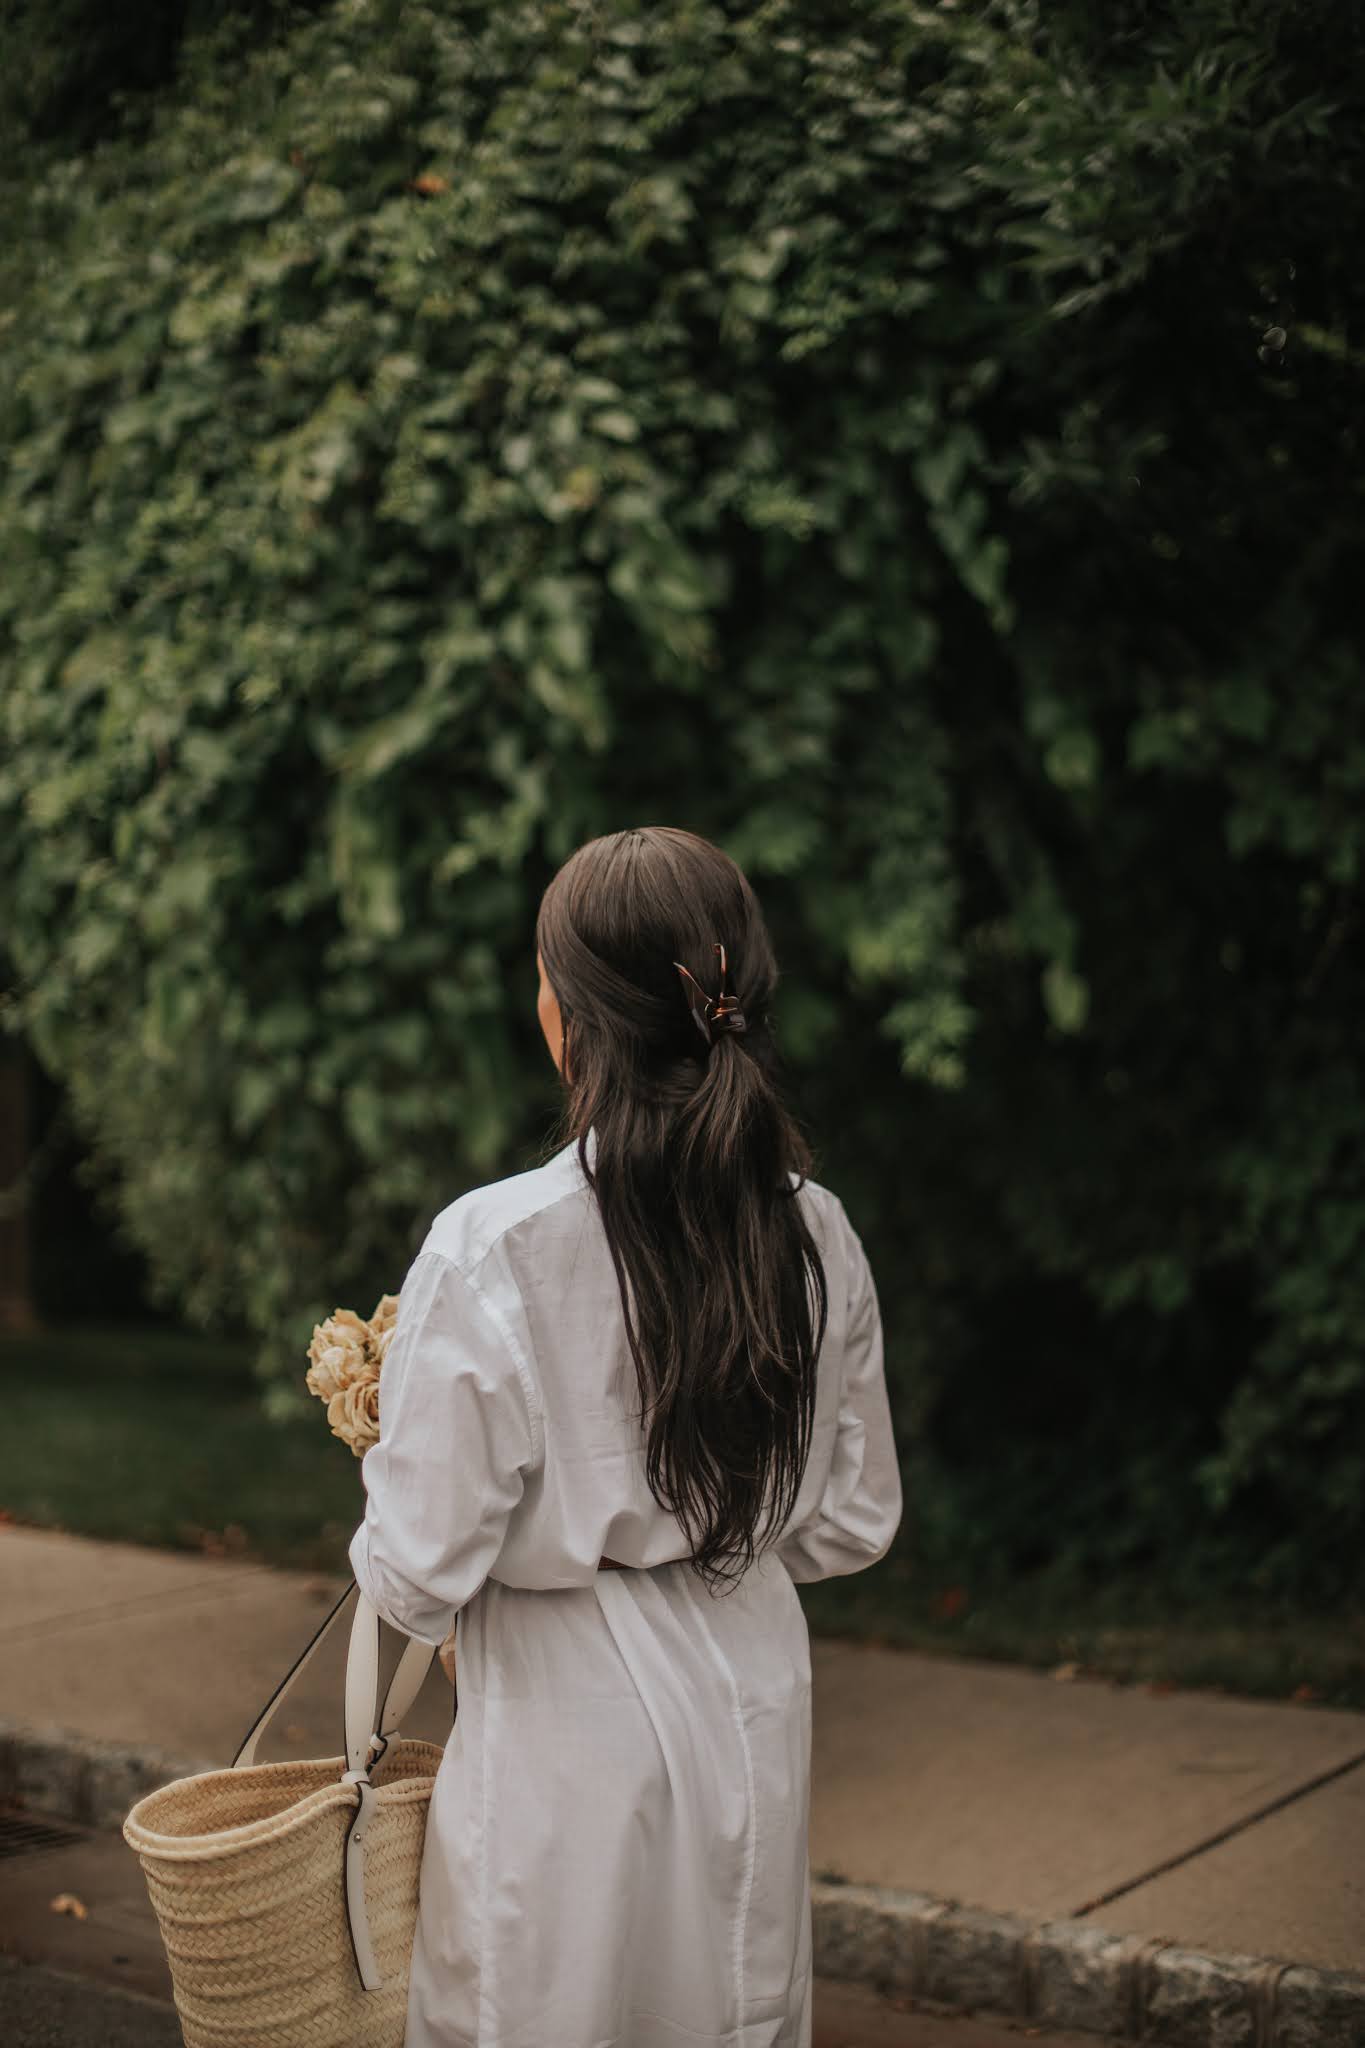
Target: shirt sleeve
[
  {"x": 860, "y": 1508},
  {"x": 459, "y": 1432}
]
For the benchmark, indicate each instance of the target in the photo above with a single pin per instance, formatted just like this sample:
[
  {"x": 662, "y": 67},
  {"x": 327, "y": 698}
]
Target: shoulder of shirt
[
  {"x": 833, "y": 1227},
  {"x": 467, "y": 1229},
  {"x": 822, "y": 1201}
]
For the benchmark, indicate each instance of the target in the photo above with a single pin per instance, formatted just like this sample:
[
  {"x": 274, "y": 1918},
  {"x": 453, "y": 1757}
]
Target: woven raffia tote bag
[{"x": 287, "y": 1893}]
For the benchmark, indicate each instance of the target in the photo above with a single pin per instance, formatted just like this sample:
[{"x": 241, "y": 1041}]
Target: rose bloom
[
  {"x": 340, "y": 1352},
  {"x": 385, "y": 1315},
  {"x": 353, "y": 1414}
]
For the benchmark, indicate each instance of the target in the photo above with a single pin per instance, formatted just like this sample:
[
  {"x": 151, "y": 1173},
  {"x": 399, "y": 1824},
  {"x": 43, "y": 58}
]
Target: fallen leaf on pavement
[
  {"x": 68, "y": 1903},
  {"x": 1066, "y": 1672}
]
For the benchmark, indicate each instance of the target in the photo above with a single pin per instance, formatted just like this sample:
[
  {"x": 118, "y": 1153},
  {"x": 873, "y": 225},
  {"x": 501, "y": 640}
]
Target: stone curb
[
  {"x": 1062, "y": 1974},
  {"x": 70, "y": 1777},
  {"x": 1068, "y": 1974}
]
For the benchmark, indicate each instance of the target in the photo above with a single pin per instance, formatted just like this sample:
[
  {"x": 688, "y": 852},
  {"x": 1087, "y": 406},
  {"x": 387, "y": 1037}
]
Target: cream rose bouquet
[{"x": 346, "y": 1358}]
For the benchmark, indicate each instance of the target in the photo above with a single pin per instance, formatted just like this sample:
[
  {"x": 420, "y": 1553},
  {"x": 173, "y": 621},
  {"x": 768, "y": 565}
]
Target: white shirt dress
[{"x": 616, "y": 1852}]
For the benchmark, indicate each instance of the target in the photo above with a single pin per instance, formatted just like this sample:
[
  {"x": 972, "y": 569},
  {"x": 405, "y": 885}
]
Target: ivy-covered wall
[{"x": 918, "y": 446}]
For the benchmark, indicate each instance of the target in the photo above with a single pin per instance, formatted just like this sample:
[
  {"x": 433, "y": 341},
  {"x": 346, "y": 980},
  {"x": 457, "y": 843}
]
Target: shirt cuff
[{"x": 427, "y": 1625}]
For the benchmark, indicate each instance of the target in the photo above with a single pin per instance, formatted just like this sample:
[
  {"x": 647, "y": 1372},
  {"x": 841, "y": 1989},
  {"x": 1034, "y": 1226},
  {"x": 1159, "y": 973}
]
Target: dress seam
[
  {"x": 484, "y": 1946},
  {"x": 751, "y": 1832}
]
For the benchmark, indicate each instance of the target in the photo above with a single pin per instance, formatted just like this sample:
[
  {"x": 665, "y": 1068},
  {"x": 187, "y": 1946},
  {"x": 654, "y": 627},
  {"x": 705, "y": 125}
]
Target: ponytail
[{"x": 696, "y": 1166}]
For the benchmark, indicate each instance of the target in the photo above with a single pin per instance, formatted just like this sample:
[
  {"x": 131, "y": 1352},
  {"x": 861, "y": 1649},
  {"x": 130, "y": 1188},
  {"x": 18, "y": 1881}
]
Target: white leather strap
[
  {"x": 362, "y": 1686},
  {"x": 366, "y": 1720},
  {"x": 366, "y": 1961},
  {"x": 246, "y": 1754},
  {"x": 404, "y": 1686}
]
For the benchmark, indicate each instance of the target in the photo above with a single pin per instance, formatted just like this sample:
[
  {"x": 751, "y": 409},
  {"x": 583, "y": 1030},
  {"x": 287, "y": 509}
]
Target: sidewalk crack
[
  {"x": 1237, "y": 1827},
  {"x": 114, "y": 1610}
]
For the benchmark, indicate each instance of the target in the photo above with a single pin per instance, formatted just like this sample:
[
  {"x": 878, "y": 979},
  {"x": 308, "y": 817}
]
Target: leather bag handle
[
  {"x": 363, "y": 1725},
  {"x": 404, "y": 1686},
  {"x": 367, "y": 1720}
]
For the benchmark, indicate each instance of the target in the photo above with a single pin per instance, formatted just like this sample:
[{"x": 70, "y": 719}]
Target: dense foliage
[
  {"x": 78, "y": 69},
  {"x": 918, "y": 446}
]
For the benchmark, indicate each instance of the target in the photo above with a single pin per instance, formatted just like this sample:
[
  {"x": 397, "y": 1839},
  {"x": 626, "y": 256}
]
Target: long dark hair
[{"x": 721, "y": 1281}]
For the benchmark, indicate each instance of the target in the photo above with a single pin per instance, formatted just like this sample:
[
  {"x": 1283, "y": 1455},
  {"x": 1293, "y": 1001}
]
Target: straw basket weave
[{"x": 273, "y": 1939}]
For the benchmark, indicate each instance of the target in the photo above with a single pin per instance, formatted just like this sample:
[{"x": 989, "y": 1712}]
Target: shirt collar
[{"x": 569, "y": 1152}]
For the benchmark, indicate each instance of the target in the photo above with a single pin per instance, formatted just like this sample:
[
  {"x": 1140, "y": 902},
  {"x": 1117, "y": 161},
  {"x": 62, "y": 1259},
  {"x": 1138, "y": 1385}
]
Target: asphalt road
[
  {"x": 97, "y": 1978},
  {"x": 43, "y": 2008}
]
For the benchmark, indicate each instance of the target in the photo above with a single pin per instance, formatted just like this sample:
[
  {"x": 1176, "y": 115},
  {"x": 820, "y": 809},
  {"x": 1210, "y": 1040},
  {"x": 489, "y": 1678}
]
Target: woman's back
[
  {"x": 660, "y": 1350},
  {"x": 510, "y": 1343}
]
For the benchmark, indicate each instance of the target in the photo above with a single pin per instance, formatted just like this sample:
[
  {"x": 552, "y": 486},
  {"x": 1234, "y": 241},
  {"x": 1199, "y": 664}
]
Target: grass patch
[
  {"x": 1135, "y": 1634},
  {"x": 157, "y": 1437}
]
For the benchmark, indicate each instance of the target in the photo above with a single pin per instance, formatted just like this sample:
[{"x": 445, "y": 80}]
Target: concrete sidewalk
[{"x": 1155, "y": 1831}]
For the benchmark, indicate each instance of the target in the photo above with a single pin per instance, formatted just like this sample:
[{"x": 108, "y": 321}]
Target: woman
[{"x": 630, "y": 1396}]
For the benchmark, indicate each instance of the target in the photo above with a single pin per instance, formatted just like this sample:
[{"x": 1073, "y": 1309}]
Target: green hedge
[{"x": 916, "y": 446}]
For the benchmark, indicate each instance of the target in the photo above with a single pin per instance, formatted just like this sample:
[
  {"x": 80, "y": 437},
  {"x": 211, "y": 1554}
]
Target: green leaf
[{"x": 1066, "y": 997}]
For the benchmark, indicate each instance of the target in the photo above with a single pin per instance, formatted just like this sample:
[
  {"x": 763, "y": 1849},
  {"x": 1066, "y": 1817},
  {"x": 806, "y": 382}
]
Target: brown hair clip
[{"x": 716, "y": 1013}]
